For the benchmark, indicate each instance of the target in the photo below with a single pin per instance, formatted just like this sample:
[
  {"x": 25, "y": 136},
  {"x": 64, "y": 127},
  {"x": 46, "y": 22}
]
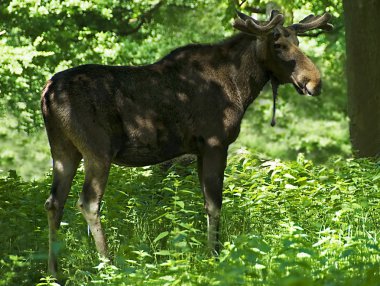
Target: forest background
[{"x": 298, "y": 209}]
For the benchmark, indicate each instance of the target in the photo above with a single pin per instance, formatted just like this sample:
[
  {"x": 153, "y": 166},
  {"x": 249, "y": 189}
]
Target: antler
[
  {"x": 313, "y": 22},
  {"x": 250, "y": 25}
]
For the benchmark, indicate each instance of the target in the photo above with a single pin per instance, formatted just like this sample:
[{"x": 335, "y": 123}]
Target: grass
[
  {"x": 283, "y": 223},
  {"x": 26, "y": 153}
]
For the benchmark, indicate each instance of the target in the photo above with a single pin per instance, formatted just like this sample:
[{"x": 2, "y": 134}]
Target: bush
[{"x": 283, "y": 223}]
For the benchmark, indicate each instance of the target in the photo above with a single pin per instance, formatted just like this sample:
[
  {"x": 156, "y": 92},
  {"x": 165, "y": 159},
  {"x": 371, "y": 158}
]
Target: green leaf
[
  {"x": 161, "y": 236},
  {"x": 290, "y": 187},
  {"x": 289, "y": 176},
  {"x": 181, "y": 204},
  {"x": 163, "y": 252}
]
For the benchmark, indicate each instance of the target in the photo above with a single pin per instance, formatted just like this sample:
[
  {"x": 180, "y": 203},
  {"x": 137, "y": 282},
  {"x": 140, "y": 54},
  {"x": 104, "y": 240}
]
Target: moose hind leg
[
  {"x": 211, "y": 172},
  {"x": 96, "y": 175},
  {"x": 64, "y": 169}
]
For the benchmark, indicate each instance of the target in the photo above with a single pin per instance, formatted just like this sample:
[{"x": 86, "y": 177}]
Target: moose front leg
[{"x": 211, "y": 165}]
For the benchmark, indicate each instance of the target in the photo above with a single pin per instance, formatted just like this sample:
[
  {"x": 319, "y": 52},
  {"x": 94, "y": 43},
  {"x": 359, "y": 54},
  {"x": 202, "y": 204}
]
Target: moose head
[{"x": 278, "y": 48}]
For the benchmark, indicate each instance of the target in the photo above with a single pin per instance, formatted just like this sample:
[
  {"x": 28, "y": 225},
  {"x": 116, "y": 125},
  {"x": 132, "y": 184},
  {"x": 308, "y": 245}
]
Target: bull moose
[{"x": 192, "y": 101}]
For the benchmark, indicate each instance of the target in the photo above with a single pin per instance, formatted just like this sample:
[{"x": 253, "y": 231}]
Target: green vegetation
[
  {"x": 307, "y": 219},
  {"x": 284, "y": 223}
]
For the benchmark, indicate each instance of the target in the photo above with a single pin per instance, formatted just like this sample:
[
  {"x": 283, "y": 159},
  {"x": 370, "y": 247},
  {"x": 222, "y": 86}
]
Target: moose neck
[
  {"x": 233, "y": 64},
  {"x": 246, "y": 69}
]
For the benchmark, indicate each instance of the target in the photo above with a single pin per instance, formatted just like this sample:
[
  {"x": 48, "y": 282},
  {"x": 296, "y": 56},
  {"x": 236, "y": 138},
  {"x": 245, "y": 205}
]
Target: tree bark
[{"x": 363, "y": 75}]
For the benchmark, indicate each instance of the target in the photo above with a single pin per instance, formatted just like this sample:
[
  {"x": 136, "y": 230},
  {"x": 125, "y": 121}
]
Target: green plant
[{"x": 283, "y": 223}]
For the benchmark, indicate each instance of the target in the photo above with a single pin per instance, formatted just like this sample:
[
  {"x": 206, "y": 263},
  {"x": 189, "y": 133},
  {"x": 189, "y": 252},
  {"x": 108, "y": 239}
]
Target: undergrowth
[{"x": 283, "y": 223}]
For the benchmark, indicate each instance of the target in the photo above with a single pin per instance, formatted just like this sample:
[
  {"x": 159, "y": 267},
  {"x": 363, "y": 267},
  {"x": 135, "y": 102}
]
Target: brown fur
[{"x": 190, "y": 102}]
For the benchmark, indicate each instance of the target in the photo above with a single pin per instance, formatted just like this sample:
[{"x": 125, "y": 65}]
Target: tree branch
[
  {"x": 311, "y": 35},
  {"x": 144, "y": 18},
  {"x": 240, "y": 3}
]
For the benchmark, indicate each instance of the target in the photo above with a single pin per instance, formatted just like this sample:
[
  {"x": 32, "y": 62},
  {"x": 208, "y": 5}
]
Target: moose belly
[
  {"x": 148, "y": 139},
  {"x": 137, "y": 155}
]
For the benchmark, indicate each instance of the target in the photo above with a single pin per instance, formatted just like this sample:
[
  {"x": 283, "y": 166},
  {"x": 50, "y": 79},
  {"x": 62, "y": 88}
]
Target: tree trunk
[{"x": 363, "y": 74}]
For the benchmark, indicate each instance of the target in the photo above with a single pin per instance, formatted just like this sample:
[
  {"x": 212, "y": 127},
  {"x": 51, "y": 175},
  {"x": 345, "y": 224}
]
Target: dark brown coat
[{"x": 190, "y": 102}]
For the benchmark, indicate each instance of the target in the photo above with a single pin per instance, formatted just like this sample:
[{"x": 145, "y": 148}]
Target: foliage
[
  {"x": 283, "y": 223},
  {"x": 27, "y": 153}
]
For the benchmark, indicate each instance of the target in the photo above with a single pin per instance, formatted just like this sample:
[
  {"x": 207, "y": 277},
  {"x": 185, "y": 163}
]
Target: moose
[{"x": 192, "y": 101}]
